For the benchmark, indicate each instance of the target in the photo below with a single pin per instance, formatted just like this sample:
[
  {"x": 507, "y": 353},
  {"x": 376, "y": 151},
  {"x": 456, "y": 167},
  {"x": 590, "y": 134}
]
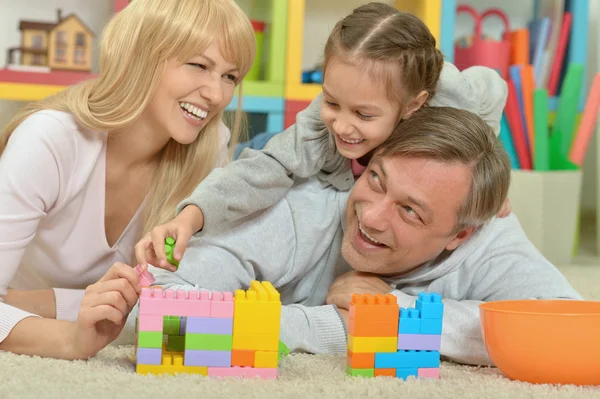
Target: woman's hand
[
  {"x": 104, "y": 310},
  {"x": 151, "y": 248}
]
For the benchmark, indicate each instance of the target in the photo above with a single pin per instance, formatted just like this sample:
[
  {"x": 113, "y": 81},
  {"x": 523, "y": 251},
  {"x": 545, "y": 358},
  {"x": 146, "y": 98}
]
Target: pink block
[
  {"x": 221, "y": 305},
  {"x": 149, "y": 322},
  {"x": 156, "y": 301},
  {"x": 429, "y": 373},
  {"x": 146, "y": 278},
  {"x": 247, "y": 372}
]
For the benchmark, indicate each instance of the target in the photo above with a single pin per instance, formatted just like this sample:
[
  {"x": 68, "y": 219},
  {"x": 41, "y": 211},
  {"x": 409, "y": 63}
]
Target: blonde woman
[{"x": 84, "y": 173}]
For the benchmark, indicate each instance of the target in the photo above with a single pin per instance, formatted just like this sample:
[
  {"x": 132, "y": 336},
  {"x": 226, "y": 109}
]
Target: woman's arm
[{"x": 104, "y": 310}]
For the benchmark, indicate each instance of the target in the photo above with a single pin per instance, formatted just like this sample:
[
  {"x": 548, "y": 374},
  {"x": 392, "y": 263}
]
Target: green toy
[
  {"x": 283, "y": 351},
  {"x": 169, "y": 248}
]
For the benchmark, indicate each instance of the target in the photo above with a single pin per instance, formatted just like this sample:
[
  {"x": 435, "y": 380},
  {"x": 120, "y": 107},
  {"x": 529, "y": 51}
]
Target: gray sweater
[
  {"x": 258, "y": 179},
  {"x": 296, "y": 245}
]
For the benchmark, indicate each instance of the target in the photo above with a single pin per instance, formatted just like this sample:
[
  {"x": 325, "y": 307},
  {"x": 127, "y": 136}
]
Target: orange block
[
  {"x": 385, "y": 372},
  {"x": 385, "y": 328},
  {"x": 242, "y": 358},
  {"x": 361, "y": 360},
  {"x": 378, "y": 308}
]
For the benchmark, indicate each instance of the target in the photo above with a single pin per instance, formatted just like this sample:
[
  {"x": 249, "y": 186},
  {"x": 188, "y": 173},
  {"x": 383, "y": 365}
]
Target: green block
[
  {"x": 360, "y": 372},
  {"x": 169, "y": 247},
  {"x": 176, "y": 343},
  {"x": 150, "y": 339},
  {"x": 171, "y": 325},
  {"x": 209, "y": 342},
  {"x": 283, "y": 351}
]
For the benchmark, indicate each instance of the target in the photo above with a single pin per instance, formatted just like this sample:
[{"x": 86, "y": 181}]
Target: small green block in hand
[{"x": 169, "y": 248}]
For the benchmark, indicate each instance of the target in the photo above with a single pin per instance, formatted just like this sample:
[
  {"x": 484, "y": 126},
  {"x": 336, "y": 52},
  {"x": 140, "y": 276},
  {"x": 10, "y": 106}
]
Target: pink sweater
[{"x": 52, "y": 200}]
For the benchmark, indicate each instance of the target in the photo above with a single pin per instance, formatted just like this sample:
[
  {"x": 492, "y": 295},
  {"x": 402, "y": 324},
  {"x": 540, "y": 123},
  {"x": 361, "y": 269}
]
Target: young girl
[
  {"x": 84, "y": 172},
  {"x": 380, "y": 66}
]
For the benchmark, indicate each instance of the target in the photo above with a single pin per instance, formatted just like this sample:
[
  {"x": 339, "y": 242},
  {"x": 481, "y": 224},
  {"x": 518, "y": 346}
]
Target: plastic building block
[
  {"x": 172, "y": 325},
  {"x": 385, "y": 372},
  {"x": 265, "y": 360},
  {"x": 149, "y": 355},
  {"x": 169, "y": 248},
  {"x": 361, "y": 360},
  {"x": 415, "y": 344},
  {"x": 196, "y": 332},
  {"x": 256, "y": 342},
  {"x": 430, "y": 305},
  {"x": 221, "y": 305},
  {"x": 431, "y": 326},
  {"x": 207, "y": 358},
  {"x": 150, "y": 339},
  {"x": 176, "y": 343},
  {"x": 150, "y": 322},
  {"x": 373, "y": 316},
  {"x": 429, "y": 373},
  {"x": 409, "y": 321},
  {"x": 404, "y": 373},
  {"x": 372, "y": 344},
  {"x": 426, "y": 342},
  {"x": 283, "y": 350},
  {"x": 248, "y": 372},
  {"x": 215, "y": 342},
  {"x": 242, "y": 358},
  {"x": 360, "y": 372},
  {"x": 157, "y": 301},
  {"x": 408, "y": 359},
  {"x": 208, "y": 325},
  {"x": 146, "y": 278}
]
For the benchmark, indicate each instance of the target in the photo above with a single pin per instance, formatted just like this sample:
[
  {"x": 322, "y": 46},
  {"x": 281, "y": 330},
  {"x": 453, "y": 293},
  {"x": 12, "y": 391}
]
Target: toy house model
[{"x": 64, "y": 45}]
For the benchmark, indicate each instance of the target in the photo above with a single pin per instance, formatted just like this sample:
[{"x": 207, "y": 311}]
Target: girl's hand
[
  {"x": 505, "y": 210},
  {"x": 151, "y": 248},
  {"x": 104, "y": 310}
]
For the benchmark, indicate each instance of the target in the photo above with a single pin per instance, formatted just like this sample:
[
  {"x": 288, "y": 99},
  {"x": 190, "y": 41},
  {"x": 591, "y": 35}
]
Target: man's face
[{"x": 402, "y": 212}]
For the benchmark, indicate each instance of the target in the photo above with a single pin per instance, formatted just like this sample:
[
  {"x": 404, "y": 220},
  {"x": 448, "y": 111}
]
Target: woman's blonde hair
[{"x": 133, "y": 50}]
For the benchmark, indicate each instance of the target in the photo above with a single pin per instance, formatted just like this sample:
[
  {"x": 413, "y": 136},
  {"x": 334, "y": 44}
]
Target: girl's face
[
  {"x": 356, "y": 109},
  {"x": 192, "y": 93}
]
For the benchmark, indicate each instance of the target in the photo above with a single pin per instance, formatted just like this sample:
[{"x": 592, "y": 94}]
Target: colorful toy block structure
[
  {"x": 386, "y": 340},
  {"x": 209, "y": 333}
]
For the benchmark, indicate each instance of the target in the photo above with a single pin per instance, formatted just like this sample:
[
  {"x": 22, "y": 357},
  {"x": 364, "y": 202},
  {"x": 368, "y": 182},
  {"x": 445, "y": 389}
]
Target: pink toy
[
  {"x": 486, "y": 52},
  {"x": 146, "y": 278}
]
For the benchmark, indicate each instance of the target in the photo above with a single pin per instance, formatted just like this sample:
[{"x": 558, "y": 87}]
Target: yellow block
[
  {"x": 372, "y": 344},
  {"x": 429, "y": 11},
  {"x": 256, "y": 326},
  {"x": 27, "y": 91},
  {"x": 265, "y": 360},
  {"x": 260, "y": 302},
  {"x": 295, "y": 36},
  {"x": 159, "y": 370},
  {"x": 255, "y": 342}
]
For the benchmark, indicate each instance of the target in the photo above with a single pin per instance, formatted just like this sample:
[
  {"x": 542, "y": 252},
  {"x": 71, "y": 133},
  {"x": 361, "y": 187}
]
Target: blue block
[
  {"x": 409, "y": 321},
  {"x": 407, "y": 359},
  {"x": 404, "y": 373},
  {"x": 431, "y": 326},
  {"x": 430, "y": 305}
]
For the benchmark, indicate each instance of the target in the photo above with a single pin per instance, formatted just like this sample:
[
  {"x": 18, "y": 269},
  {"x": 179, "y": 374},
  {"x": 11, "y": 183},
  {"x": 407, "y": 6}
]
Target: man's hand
[{"x": 340, "y": 292}]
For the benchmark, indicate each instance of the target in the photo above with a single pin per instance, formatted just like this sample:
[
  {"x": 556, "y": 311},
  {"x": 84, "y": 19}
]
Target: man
[{"x": 420, "y": 218}]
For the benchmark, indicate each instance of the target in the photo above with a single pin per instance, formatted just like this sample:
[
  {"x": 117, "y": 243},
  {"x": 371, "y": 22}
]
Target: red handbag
[{"x": 484, "y": 51}]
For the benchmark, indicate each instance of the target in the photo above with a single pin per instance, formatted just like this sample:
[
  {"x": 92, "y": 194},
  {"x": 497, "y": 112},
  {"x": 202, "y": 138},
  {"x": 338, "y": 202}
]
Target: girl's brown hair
[{"x": 379, "y": 36}]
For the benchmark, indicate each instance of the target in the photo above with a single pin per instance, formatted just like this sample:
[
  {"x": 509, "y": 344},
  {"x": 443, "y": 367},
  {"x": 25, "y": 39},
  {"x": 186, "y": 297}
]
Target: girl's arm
[{"x": 258, "y": 179}]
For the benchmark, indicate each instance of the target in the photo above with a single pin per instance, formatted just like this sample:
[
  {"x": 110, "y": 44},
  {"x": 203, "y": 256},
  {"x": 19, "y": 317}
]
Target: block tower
[
  {"x": 209, "y": 333},
  {"x": 386, "y": 340}
]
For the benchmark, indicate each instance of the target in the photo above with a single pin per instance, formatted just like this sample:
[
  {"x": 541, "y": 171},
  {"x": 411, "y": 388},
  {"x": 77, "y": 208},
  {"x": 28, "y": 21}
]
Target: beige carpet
[{"x": 111, "y": 375}]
